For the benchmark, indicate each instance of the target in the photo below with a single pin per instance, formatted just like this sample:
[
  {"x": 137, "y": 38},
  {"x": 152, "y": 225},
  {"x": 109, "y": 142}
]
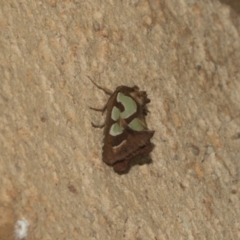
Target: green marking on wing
[
  {"x": 115, "y": 113},
  {"x": 136, "y": 125},
  {"x": 115, "y": 129},
  {"x": 130, "y": 106}
]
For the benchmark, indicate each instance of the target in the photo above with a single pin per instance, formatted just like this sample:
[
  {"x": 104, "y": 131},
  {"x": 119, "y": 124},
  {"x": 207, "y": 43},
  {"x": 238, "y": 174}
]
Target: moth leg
[
  {"x": 98, "y": 125},
  {"x": 106, "y": 90},
  {"x": 103, "y": 109}
]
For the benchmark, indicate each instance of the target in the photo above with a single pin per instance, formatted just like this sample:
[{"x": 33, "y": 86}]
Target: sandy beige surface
[{"x": 185, "y": 54}]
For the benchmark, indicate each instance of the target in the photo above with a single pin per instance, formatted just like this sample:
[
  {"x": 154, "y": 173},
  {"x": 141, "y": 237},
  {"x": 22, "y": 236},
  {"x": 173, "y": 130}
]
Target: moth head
[{"x": 139, "y": 96}]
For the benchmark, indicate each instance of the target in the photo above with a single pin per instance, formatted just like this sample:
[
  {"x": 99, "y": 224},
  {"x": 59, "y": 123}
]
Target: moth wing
[
  {"x": 128, "y": 148},
  {"x": 122, "y": 166}
]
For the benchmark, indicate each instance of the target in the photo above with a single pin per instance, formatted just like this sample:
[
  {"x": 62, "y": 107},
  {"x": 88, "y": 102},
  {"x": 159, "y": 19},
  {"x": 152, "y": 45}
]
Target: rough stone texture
[{"x": 184, "y": 53}]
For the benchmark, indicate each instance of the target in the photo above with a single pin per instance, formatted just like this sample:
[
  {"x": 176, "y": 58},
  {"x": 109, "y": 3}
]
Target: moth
[{"x": 126, "y": 135}]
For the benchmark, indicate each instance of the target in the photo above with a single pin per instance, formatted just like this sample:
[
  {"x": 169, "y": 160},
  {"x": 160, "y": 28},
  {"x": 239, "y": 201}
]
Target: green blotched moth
[{"x": 126, "y": 135}]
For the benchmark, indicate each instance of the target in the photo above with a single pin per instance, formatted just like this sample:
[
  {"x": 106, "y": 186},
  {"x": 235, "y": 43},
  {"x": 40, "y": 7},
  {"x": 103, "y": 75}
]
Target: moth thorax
[{"x": 140, "y": 97}]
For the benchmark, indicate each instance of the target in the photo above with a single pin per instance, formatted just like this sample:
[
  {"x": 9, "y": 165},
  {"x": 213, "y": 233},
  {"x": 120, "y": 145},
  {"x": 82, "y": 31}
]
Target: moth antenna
[{"x": 106, "y": 90}]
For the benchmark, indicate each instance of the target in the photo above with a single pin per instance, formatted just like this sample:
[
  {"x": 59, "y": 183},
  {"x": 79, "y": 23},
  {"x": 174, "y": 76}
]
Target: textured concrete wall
[{"x": 184, "y": 53}]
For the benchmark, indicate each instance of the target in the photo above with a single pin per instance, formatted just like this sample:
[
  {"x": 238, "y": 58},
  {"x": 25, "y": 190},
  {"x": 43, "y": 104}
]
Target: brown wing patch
[
  {"x": 134, "y": 142},
  {"x": 123, "y": 166}
]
